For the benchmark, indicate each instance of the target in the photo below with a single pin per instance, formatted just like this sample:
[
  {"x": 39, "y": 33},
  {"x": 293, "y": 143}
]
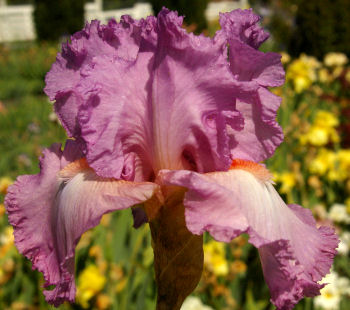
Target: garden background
[{"x": 311, "y": 167}]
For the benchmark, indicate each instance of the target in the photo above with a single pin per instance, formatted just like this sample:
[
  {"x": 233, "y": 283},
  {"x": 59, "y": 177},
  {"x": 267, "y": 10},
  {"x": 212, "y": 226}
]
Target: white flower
[
  {"x": 335, "y": 59},
  {"x": 329, "y": 298},
  {"x": 344, "y": 245},
  {"x": 194, "y": 303},
  {"x": 330, "y": 295},
  {"x": 338, "y": 213}
]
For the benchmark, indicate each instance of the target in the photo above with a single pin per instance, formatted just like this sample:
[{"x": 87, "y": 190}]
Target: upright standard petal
[
  {"x": 243, "y": 25},
  {"x": 51, "y": 210},
  {"x": 95, "y": 40},
  {"x": 171, "y": 107},
  {"x": 261, "y": 133},
  {"x": 295, "y": 254},
  {"x": 193, "y": 99},
  {"x": 259, "y": 70},
  {"x": 146, "y": 95}
]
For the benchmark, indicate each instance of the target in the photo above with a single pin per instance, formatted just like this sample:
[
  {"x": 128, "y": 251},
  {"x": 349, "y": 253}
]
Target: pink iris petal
[
  {"x": 116, "y": 39},
  {"x": 294, "y": 253},
  {"x": 193, "y": 99},
  {"x": 51, "y": 210},
  {"x": 243, "y": 25},
  {"x": 170, "y": 108},
  {"x": 243, "y": 35},
  {"x": 115, "y": 119},
  {"x": 146, "y": 95},
  {"x": 261, "y": 134}
]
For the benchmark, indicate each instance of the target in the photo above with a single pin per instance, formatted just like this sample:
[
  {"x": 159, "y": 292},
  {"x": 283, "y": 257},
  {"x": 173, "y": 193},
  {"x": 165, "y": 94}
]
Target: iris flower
[{"x": 174, "y": 126}]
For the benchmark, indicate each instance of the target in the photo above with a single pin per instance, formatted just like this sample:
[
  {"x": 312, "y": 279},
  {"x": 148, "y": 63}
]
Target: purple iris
[{"x": 150, "y": 106}]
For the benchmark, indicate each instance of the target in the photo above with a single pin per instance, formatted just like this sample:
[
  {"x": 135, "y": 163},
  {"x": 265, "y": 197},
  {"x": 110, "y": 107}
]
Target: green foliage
[
  {"x": 54, "y": 19},
  {"x": 23, "y": 69},
  {"x": 194, "y": 10},
  {"x": 321, "y": 27}
]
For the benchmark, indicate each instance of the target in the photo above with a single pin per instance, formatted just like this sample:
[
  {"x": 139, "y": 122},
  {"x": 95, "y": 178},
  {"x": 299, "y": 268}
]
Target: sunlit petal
[
  {"x": 294, "y": 253},
  {"x": 51, "y": 210}
]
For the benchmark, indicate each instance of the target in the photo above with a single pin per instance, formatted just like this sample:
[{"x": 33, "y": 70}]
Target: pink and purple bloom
[{"x": 151, "y": 107}]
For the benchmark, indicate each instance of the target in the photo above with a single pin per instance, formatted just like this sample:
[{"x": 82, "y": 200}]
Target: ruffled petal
[
  {"x": 95, "y": 40},
  {"x": 193, "y": 99},
  {"x": 170, "y": 107},
  {"x": 146, "y": 95},
  {"x": 242, "y": 25},
  {"x": 284, "y": 276},
  {"x": 249, "y": 64},
  {"x": 243, "y": 200},
  {"x": 261, "y": 134},
  {"x": 115, "y": 119},
  {"x": 51, "y": 210}
]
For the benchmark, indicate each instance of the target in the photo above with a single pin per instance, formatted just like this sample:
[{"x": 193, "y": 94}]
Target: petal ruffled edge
[
  {"x": 242, "y": 25},
  {"x": 51, "y": 210},
  {"x": 40, "y": 190},
  {"x": 95, "y": 40},
  {"x": 242, "y": 35},
  {"x": 227, "y": 204}
]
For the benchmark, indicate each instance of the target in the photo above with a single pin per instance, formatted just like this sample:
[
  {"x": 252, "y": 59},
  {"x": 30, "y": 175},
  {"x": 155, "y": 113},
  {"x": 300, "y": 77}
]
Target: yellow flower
[
  {"x": 335, "y": 59},
  {"x": 7, "y": 237},
  {"x": 310, "y": 61},
  {"x": 288, "y": 181},
  {"x": 90, "y": 282},
  {"x": 343, "y": 157},
  {"x": 324, "y": 76},
  {"x": 214, "y": 258},
  {"x": 6, "y": 241},
  {"x": 337, "y": 71},
  {"x": 317, "y": 136},
  {"x": 285, "y": 57},
  {"x": 323, "y": 162},
  {"x": 302, "y": 83},
  {"x": 334, "y": 136},
  {"x": 5, "y": 182},
  {"x": 323, "y": 130},
  {"x": 326, "y": 119},
  {"x": 302, "y": 72}
]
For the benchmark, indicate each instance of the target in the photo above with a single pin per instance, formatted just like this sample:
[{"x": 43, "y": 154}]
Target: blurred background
[{"x": 311, "y": 167}]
